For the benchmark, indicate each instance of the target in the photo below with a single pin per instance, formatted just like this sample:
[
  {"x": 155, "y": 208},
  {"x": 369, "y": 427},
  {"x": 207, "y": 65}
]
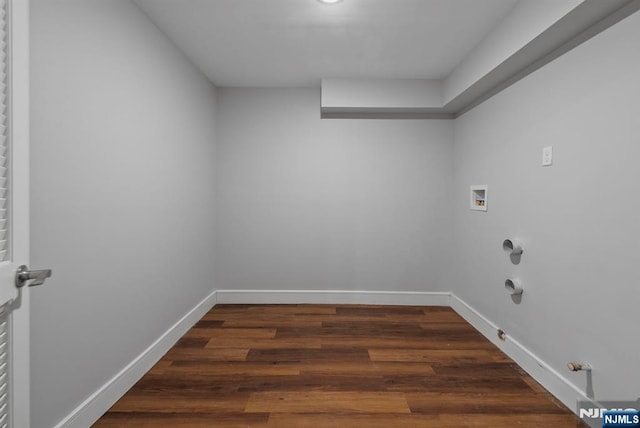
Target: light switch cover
[{"x": 547, "y": 156}]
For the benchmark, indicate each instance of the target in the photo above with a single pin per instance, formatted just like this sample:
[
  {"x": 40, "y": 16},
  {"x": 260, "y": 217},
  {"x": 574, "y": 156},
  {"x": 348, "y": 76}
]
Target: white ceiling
[{"x": 298, "y": 42}]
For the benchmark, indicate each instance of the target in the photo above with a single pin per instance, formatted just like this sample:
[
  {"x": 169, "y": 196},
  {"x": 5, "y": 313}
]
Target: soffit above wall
[{"x": 380, "y": 54}]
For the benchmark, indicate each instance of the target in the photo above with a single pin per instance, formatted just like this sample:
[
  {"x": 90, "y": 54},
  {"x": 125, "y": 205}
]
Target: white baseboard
[
  {"x": 100, "y": 401},
  {"x": 554, "y": 382},
  {"x": 334, "y": 297}
]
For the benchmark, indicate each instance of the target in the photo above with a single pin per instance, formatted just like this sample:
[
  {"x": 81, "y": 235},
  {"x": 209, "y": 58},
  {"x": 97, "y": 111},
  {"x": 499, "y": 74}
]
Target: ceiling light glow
[{"x": 329, "y": 1}]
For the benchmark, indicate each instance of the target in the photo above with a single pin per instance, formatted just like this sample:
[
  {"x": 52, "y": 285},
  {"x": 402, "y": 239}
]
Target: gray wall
[
  {"x": 123, "y": 167},
  {"x": 122, "y": 202},
  {"x": 305, "y": 203},
  {"x": 578, "y": 218}
]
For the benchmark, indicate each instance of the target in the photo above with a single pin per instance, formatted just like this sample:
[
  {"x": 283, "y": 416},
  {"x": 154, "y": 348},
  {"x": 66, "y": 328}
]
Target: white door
[{"x": 14, "y": 212}]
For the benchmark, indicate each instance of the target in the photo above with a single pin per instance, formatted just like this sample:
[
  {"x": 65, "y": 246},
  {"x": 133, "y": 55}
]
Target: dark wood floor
[{"x": 296, "y": 366}]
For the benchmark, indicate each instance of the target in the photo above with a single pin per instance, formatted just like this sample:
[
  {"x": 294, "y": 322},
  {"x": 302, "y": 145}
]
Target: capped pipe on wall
[{"x": 576, "y": 367}]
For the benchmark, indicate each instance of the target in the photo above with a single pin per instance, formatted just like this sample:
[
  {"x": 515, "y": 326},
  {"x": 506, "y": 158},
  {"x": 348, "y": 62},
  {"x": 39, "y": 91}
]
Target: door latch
[{"x": 37, "y": 277}]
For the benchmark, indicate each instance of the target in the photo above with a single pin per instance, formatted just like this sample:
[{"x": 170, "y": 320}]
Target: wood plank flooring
[{"x": 297, "y": 366}]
